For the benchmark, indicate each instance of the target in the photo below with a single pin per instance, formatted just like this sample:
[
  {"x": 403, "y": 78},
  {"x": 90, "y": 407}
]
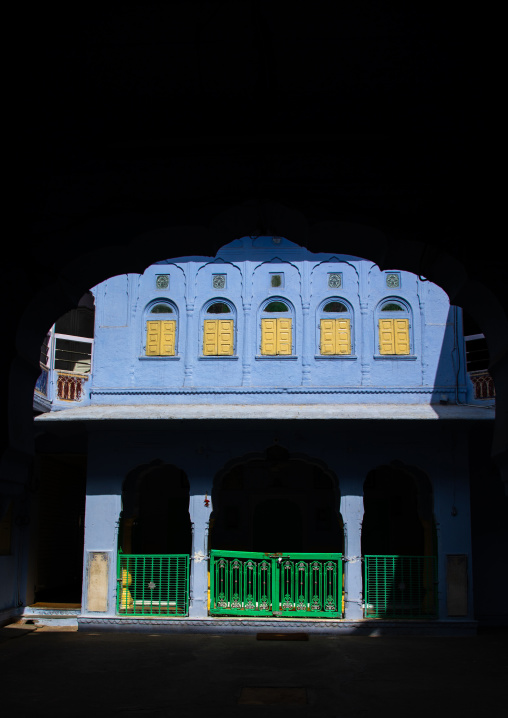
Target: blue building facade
[
  {"x": 274, "y": 435},
  {"x": 261, "y": 282}
]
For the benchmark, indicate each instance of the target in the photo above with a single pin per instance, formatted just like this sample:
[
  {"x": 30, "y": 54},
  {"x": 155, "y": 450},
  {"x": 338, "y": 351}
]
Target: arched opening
[
  {"x": 154, "y": 543},
  {"x": 276, "y": 327},
  {"x": 276, "y": 538},
  {"x": 277, "y": 522},
  {"x": 59, "y": 520},
  {"x": 66, "y": 357},
  {"x": 155, "y": 512},
  {"x": 55, "y": 566},
  {"x": 276, "y": 502},
  {"x": 399, "y": 543},
  {"x": 161, "y": 319},
  {"x": 394, "y": 322},
  {"x": 218, "y": 334},
  {"x": 334, "y": 327}
]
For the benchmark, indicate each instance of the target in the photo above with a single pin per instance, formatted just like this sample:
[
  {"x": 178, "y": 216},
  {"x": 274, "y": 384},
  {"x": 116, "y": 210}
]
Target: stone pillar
[
  {"x": 247, "y": 352},
  {"x": 189, "y": 354},
  {"x": 307, "y": 345},
  {"x": 421, "y": 288},
  {"x": 351, "y": 508},
  {"x": 367, "y": 346},
  {"x": 200, "y": 508},
  {"x": 103, "y": 506},
  {"x": 453, "y": 523}
]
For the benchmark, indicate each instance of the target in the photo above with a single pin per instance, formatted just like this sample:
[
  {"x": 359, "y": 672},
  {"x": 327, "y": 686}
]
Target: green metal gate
[
  {"x": 153, "y": 585},
  {"x": 263, "y": 584},
  {"x": 400, "y": 586}
]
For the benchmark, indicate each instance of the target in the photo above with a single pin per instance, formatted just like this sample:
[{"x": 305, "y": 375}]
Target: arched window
[
  {"x": 161, "y": 330},
  {"x": 393, "y": 327},
  {"x": 219, "y": 334},
  {"x": 335, "y": 328},
  {"x": 276, "y": 328}
]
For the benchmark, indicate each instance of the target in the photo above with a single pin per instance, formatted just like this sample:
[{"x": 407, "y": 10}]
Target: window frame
[
  {"x": 405, "y": 313},
  {"x": 321, "y": 314},
  {"x": 147, "y": 317},
  {"x": 204, "y": 315},
  {"x": 263, "y": 314}
]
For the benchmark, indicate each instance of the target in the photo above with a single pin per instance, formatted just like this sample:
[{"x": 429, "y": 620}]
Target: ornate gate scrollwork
[{"x": 298, "y": 585}]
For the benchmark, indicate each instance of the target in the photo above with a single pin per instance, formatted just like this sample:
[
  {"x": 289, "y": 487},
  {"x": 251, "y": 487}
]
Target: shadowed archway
[
  {"x": 155, "y": 511},
  {"x": 276, "y": 501},
  {"x": 146, "y": 239}
]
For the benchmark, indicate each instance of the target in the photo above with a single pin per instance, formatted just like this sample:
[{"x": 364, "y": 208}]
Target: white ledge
[{"x": 263, "y": 412}]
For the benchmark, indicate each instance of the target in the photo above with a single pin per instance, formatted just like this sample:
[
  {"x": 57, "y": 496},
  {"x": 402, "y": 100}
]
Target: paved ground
[{"x": 51, "y": 672}]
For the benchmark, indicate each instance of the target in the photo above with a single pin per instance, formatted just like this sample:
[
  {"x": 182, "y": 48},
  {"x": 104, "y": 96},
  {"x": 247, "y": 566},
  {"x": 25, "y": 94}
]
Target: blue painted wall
[
  {"x": 122, "y": 373},
  {"x": 205, "y": 449}
]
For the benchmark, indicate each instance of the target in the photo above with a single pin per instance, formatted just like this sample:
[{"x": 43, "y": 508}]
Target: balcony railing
[
  {"x": 483, "y": 385},
  {"x": 70, "y": 387}
]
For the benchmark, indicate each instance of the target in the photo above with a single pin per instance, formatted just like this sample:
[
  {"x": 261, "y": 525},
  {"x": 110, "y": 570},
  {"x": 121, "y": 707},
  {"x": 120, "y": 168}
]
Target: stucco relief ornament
[
  {"x": 162, "y": 281},
  {"x": 335, "y": 280},
  {"x": 219, "y": 281},
  {"x": 392, "y": 280}
]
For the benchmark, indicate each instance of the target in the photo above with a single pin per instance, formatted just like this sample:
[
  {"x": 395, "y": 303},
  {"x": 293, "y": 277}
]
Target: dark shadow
[
  {"x": 399, "y": 544},
  {"x": 155, "y": 512},
  {"x": 276, "y": 524},
  {"x": 276, "y": 502},
  {"x": 60, "y": 526}
]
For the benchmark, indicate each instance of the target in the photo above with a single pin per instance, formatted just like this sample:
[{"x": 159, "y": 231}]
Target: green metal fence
[
  {"x": 400, "y": 586},
  {"x": 263, "y": 584},
  {"x": 153, "y": 585}
]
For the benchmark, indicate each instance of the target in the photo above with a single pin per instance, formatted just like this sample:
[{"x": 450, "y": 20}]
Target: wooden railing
[
  {"x": 483, "y": 385},
  {"x": 70, "y": 387}
]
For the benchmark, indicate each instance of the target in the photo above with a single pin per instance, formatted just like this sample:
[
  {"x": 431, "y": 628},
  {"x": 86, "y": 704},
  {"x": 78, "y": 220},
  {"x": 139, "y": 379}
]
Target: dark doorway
[
  {"x": 398, "y": 515},
  {"x": 274, "y": 503},
  {"x": 398, "y": 544},
  {"x": 277, "y": 526},
  {"x": 155, "y": 512},
  {"x": 61, "y": 491}
]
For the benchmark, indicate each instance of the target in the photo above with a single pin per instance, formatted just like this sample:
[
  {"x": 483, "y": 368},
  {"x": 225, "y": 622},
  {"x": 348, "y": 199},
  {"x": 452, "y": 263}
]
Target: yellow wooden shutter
[
  {"x": 401, "y": 333},
  {"x": 210, "y": 337},
  {"x": 343, "y": 336},
  {"x": 284, "y": 343},
  {"x": 153, "y": 334},
  {"x": 268, "y": 336},
  {"x": 386, "y": 337},
  {"x": 327, "y": 336},
  {"x": 225, "y": 337},
  {"x": 168, "y": 333}
]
